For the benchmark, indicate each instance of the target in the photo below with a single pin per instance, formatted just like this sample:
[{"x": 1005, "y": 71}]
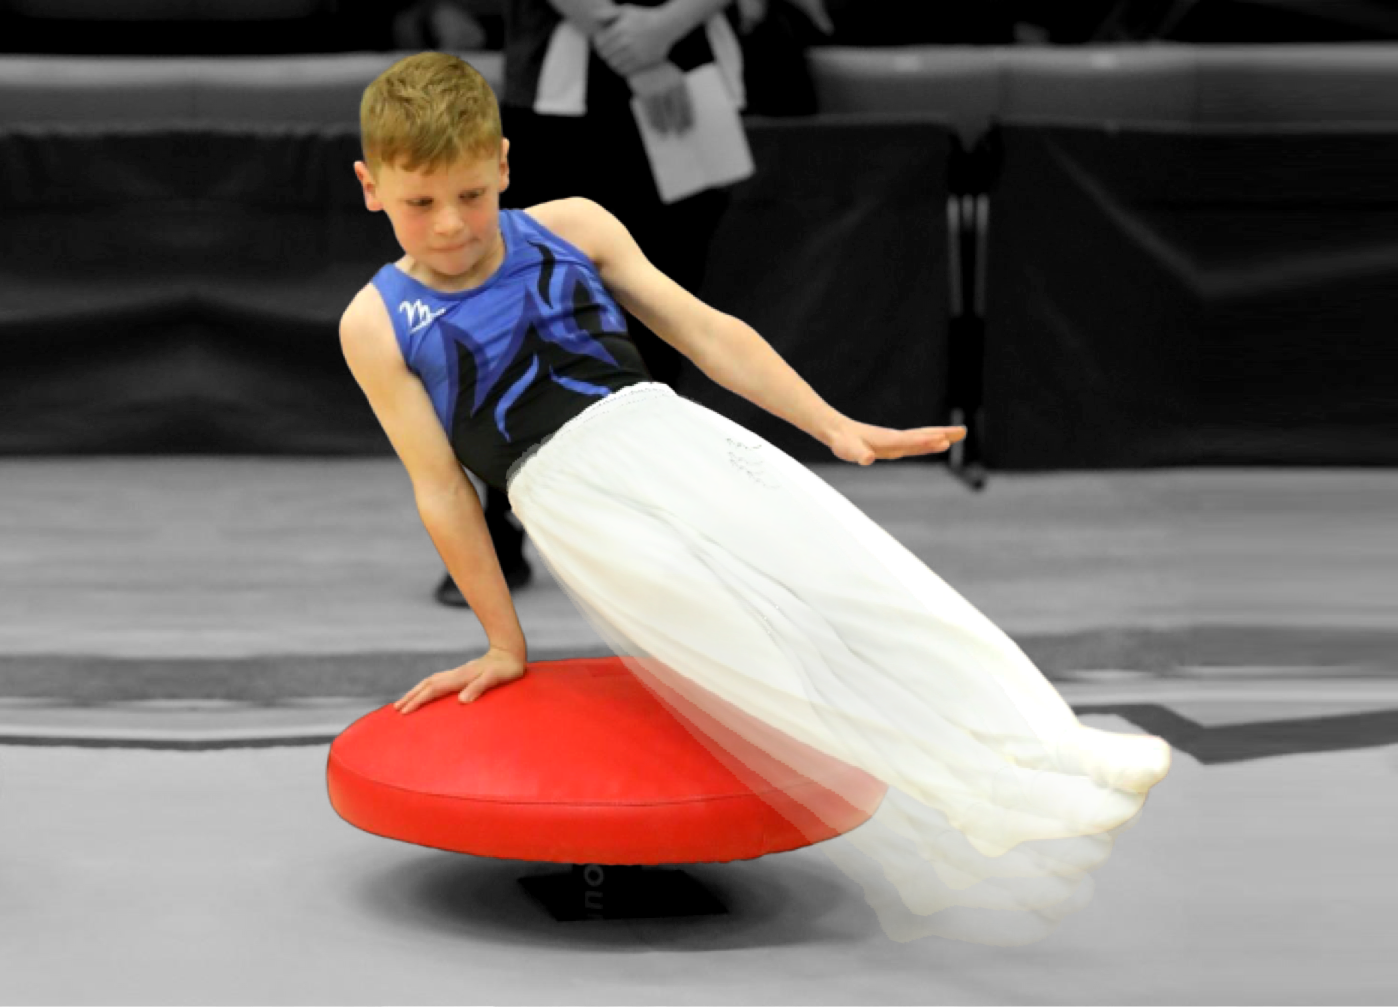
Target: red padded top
[{"x": 578, "y": 762}]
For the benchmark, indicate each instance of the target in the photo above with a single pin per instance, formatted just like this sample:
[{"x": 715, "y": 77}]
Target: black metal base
[{"x": 615, "y": 892}]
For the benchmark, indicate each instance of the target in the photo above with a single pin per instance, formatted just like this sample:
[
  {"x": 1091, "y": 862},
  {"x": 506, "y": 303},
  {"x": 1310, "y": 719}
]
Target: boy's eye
[{"x": 428, "y": 202}]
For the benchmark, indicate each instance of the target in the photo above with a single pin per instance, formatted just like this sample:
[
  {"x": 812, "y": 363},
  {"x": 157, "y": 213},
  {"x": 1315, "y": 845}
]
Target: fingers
[
  {"x": 619, "y": 62},
  {"x": 611, "y": 45},
  {"x": 684, "y": 109},
  {"x": 424, "y": 692},
  {"x": 416, "y": 696},
  {"x": 656, "y": 112},
  {"x": 669, "y": 110},
  {"x": 930, "y": 440},
  {"x": 922, "y": 441},
  {"x": 672, "y": 118},
  {"x": 468, "y": 681},
  {"x": 666, "y": 103},
  {"x": 632, "y": 40},
  {"x": 472, "y": 692}
]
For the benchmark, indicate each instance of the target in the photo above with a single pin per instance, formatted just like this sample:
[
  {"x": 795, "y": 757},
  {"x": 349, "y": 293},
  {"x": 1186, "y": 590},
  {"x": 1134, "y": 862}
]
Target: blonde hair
[{"x": 431, "y": 109}]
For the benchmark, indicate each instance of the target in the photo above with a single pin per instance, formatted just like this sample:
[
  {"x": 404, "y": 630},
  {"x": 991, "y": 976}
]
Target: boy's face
[{"x": 447, "y": 220}]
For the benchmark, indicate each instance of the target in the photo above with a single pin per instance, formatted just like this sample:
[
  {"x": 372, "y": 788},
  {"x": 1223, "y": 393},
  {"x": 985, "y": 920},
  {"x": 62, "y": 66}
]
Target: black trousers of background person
[{"x": 600, "y": 156}]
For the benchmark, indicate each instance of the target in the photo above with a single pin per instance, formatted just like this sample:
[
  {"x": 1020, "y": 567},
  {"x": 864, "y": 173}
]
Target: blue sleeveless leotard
[{"x": 509, "y": 362}]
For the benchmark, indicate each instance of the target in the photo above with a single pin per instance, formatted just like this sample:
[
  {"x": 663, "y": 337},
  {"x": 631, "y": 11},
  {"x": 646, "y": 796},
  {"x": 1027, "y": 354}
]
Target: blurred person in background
[
  {"x": 414, "y": 25},
  {"x": 566, "y": 106},
  {"x": 774, "y": 35},
  {"x": 446, "y": 25}
]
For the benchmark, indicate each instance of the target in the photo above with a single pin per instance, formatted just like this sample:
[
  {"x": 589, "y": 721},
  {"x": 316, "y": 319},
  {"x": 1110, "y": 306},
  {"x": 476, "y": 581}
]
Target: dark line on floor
[
  {"x": 1220, "y": 745},
  {"x": 265, "y": 679},
  {"x": 1263, "y": 739}
]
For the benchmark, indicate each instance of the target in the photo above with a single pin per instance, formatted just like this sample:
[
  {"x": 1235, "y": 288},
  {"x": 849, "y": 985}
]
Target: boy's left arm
[{"x": 732, "y": 354}]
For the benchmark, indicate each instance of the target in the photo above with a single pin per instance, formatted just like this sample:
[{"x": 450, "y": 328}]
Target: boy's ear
[
  {"x": 371, "y": 197},
  {"x": 504, "y": 164}
]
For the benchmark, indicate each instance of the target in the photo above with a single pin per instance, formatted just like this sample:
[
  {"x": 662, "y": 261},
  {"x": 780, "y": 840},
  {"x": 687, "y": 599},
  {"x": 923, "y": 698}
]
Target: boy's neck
[{"x": 456, "y": 285}]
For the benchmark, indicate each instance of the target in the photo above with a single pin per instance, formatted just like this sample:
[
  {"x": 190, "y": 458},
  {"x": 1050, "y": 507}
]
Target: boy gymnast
[
  {"x": 435, "y": 165},
  {"x": 741, "y": 588}
]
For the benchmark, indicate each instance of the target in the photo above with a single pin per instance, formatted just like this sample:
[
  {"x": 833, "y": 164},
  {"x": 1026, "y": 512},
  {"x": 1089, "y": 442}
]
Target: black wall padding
[
  {"x": 835, "y": 251},
  {"x": 179, "y": 291},
  {"x": 1192, "y": 296}
]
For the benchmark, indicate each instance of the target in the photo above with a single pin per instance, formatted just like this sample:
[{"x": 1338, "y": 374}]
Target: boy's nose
[{"x": 452, "y": 223}]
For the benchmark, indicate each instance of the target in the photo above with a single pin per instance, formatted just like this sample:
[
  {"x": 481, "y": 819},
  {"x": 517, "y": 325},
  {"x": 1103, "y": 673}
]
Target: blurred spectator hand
[
  {"x": 454, "y": 27},
  {"x": 635, "y": 39},
  {"x": 752, "y": 13},
  {"x": 593, "y": 17},
  {"x": 664, "y": 97},
  {"x": 437, "y": 24},
  {"x": 815, "y": 10}
]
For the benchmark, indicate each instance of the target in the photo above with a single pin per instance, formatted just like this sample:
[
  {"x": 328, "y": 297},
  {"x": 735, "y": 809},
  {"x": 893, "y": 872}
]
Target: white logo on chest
[{"x": 418, "y": 314}]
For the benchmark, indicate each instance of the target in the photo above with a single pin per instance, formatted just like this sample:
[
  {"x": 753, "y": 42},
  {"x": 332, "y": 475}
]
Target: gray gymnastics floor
[{"x": 183, "y": 638}]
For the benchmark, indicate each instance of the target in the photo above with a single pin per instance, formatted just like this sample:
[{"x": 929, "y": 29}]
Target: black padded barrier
[
  {"x": 836, "y": 251},
  {"x": 178, "y": 290},
  {"x": 1192, "y": 295},
  {"x": 1187, "y": 253}
]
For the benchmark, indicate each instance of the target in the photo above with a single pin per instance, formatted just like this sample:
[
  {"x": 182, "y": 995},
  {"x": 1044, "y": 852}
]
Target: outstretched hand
[
  {"x": 864, "y": 444},
  {"x": 469, "y": 680}
]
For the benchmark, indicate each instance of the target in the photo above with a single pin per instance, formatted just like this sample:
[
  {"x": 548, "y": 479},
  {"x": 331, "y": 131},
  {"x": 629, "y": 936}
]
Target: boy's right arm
[{"x": 446, "y": 501}]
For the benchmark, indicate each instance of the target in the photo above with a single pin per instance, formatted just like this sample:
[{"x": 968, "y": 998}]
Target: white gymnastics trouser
[{"x": 727, "y": 575}]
